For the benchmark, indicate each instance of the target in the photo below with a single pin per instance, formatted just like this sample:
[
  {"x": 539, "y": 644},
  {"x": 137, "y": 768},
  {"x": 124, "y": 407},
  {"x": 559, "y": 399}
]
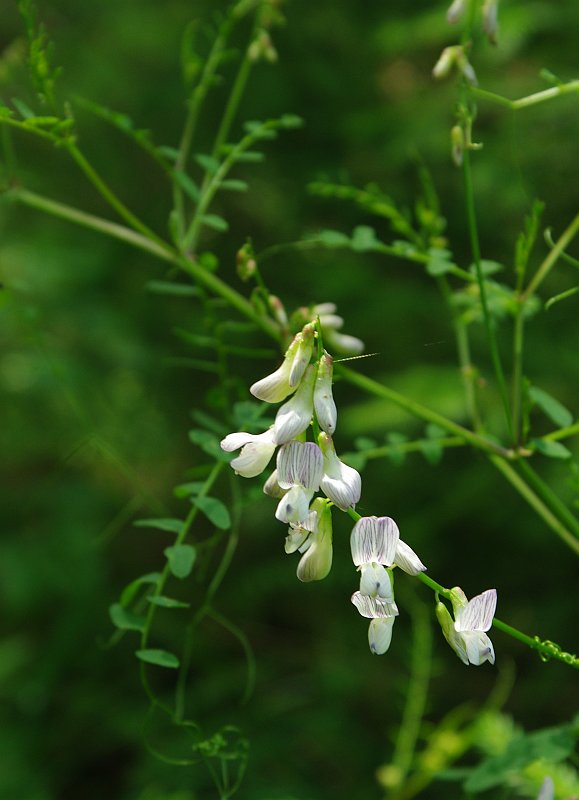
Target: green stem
[
  {"x": 99, "y": 224},
  {"x": 563, "y": 433},
  {"x": 489, "y": 322},
  {"x": 551, "y": 499},
  {"x": 529, "y": 100},
  {"x": 108, "y": 194},
  {"x": 518, "y": 370},
  {"x": 404, "y": 447},
  {"x": 422, "y": 412},
  {"x": 552, "y": 257},
  {"x": 550, "y": 515}
]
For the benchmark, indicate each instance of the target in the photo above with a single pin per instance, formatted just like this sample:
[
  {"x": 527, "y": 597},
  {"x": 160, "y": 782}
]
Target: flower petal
[
  {"x": 303, "y": 354},
  {"x": 253, "y": 459},
  {"x": 272, "y": 488},
  {"x": 294, "y": 505},
  {"x": 374, "y": 539},
  {"x": 343, "y": 343},
  {"x": 373, "y": 607},
  {"x": 479, "y": 647},
  {"x": 341, "y": 483},
  {"x": 380, "y": 635},
  {"x": 478, "y": 614},
  {"x": 274, "y": 387},
  {"x": 376, "y": 582},
  {"x": 316, "y": 562},
  {"x": 300, "y": 463},
  {"x": 325, "y": 407},
  {"x": 407, "y": 559},
  {"x": 233, "y": 441},
  {"x": 294, "y": 416}
]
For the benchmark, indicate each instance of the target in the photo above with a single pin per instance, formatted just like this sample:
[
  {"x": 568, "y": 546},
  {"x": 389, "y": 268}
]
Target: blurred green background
[{"x": 97, "y": 395}]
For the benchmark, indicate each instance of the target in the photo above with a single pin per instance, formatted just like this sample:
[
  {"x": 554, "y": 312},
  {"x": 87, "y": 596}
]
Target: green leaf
[
  {"x": 215, "y": 222},
  {"x": 555, "y": 410},
  {"x": 214, "y": 510},
  {"x": 168, "y": 152},
  {"x": 550, "y": 449},
  {"x": 23, "y": 108},
  {"x": 434, "y": 431},
  {"x": 487, "y": 267},
  {"x": 365, "y": 443},
  {"x": 171, "y": 525},
  {"x": 188, "y": 489},
  {"x": 208, "y": 163},
  {"x": 124, "y": 619},
  {"x": 161, "y": 658},
  {"x": 396, "y": 455},
  {"x": 364, "y": 239},
  {"x": 234, "y": 185},
  {"x": 181, "y": 558},
  {"x": 250, "y": 156},
  {"x": 431, "y": 450},
  {"x": 209, "y": 443},
  {"x": 291, "y": 121},
  {"x": 439, "y": 262},
  {"x": 330, "y": 238},
  {"x": 133, "y": 587},
  {"x": 167, "y": 602},
  {"x": 178, "y": 289},
  {"x": 187, "y": 184}
]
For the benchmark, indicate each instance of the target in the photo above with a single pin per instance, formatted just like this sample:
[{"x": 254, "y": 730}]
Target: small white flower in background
[
  {"x": 331, "y": 324},
  {"x": 491, "y": 20},
  {"x": 407, "y": 559},
  {"x": 455, "y": 11},
  {"x": 547, "y": 791},
  {"x": 382, "y": 614},
  {"x": 341, "y": 483},
  {"x": 454, "y": 56},
  {"x": 256, "y": 451},
  {"x": 293, "y": 417},
  {"x": 300, "y": 466},
  {"x": 285, "y": 380},
  {"x": 324, "y": 404},
  {"x": 466, "y": 634},
  {"x": 313, "y": 538}
]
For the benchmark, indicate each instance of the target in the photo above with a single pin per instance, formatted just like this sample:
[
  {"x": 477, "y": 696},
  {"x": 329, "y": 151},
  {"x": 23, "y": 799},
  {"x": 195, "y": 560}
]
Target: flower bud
[
  {"x": 245, "y": 262},
  {"x": 324, "y": 404},
  {"x": 457, "y": 144},
  {"x": 490, "y": 20},
  {"x": 455, "y": 11}
]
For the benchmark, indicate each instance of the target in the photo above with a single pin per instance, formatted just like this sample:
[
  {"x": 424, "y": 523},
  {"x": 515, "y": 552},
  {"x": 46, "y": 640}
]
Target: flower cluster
[{"x": 305, "y": 467}]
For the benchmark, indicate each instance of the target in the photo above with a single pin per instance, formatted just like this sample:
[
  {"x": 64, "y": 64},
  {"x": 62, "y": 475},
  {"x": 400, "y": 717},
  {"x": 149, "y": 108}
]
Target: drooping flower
[
  {"x": 300, "y": 467},
  {"x": 341, "y": 483},
  {"x": 466, "y": 634},
  {"x": 285, "y": 380},
  {"x": 256, "y": 451},
  {"x": 382, "y": 614},
  {"x": 331, "y": 325},
  {"x": 293, "y": 417},
  {"x": 313, "y": 538},
  {"x": 324, "y": 404}
]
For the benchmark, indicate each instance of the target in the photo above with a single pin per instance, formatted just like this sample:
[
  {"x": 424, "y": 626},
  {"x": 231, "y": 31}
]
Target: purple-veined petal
[
  {"x": 478, "y": 614},
  {"x": 407, "y": 559},
  {"x": 375, "y": 582},
  {"x": 295, "y": 539},
  {"x": 341, "y": 483},
  {"x": 373, "y": 607},
  {"x": 374, "y": 539},
  {"x": 300, "y": 463},
  {"x": 380, "y": 635},
  {"x": 294, "y": 416}
]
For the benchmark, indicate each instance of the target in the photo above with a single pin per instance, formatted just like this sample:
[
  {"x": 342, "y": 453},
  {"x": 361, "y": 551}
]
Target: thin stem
[
  {"x": 529, "y": 100},
  {"x": 551, "y": 499},
  {"x": 405, "y": 447},
  {"x": 563, "y": 433},
  {"x": 422, "y": 412},
  {"x": 105, "y": 191},
  {"x": 99, "y": 224},
  {"x": 489, "y": 322},
  {"x": 549, "y": 515},
  {"x": 518, "y": 341},
  {"x": 551, "y": 259}
]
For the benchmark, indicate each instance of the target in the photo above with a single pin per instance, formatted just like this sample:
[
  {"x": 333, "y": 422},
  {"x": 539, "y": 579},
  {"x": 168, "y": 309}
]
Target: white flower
[
  {"x": 294, "y": 416},
  {"x": 272, "y": 488},
  {"x": 331, "y": 323},
  {"x": 407, "y": 559},
  {"x": 285, "y": 380},
  {"x": 313, "y": 538},
  {"x": 341, "y": 483},
  {"x": 373, "y": 543},
  {"x": 547, "y": 791},
  {"x": 455, "y": 11},
  {"x": 382, "y": 614},
  {"x": 256, "y": 451},
  {"x": 466, "y": 635},
  {"x": 324, "y": 405},
  {"x": 300, "y": 468}
]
